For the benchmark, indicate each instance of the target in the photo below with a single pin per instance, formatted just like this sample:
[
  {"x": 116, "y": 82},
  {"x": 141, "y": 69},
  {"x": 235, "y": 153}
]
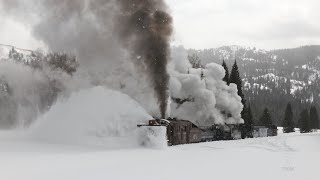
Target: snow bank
[
  {"x": 95, "y": 116},
  {"x": 153, "y": 137},
  {"x": 254, "y": 158}
]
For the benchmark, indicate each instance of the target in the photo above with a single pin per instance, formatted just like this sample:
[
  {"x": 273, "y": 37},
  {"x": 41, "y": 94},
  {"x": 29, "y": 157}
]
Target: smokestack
[{"x": 145, "y": 28}]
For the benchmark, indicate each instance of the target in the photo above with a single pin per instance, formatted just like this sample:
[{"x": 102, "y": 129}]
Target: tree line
[
  {"x": 45, "y": 90},
  {"x": 308, "y": 120}
]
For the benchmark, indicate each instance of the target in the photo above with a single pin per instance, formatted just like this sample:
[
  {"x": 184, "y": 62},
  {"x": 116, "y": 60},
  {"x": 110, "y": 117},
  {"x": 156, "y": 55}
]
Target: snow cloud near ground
[
  {"x": 22, "y": 90},
  {"x": 99, "y": 117}
]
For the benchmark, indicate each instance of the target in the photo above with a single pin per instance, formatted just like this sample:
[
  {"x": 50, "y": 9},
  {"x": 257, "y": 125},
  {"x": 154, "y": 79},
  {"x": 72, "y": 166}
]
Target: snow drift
[{"x": 99, "y": 117}]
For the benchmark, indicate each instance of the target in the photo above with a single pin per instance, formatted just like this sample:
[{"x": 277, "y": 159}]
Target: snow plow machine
[
  {"x": 153, "y": 134},
  {"x": 156, "y": 122}
]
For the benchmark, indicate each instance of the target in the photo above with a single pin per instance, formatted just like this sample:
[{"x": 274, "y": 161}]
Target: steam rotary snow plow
[
  {"x": 153, "y": 134},
  {"x": 173, "y": 131},
  {"x": 156, "y": 122}
]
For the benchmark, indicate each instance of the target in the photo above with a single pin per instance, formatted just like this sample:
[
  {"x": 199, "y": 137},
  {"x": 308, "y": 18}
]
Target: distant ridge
[{"x": 16, "y": 47}]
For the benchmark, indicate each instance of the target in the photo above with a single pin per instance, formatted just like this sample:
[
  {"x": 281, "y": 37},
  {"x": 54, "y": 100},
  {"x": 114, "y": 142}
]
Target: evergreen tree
[
  {"x": 15, "y": 55},
  {"x": 265, "y": 119},
  {"x": 195, "y": 61},
  {"x": 249, "y": 116},
  {"x": 248, "y": 124},
  {"x": 288, "y": 124},
  {"x": 288, "y": 87},
  {"x": 11, "y": 52},
  {"x": 314, "y": 118},
  {"x": 67, "y": 63},
  {"x": 304, "y": 123},
  {"x": 236, "y": 79},
  {"x": 226, "y": 76}
]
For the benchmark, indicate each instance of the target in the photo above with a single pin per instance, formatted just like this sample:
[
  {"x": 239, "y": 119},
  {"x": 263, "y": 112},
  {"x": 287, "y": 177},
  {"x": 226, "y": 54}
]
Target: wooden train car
[
  {"x": 208, "y": 134},
  {"x": 260, "y": 131},
  {"x": 272, "y": 130},
  {"x": 182, "y": 132},
  {"x": 185, "y": 132},
  {"x": 265, "y": 131},
  {"x": 227, "y": 132}
]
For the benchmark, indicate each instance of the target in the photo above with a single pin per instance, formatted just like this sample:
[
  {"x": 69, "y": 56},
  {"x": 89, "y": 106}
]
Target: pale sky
[{"x": 267, "y": 24}]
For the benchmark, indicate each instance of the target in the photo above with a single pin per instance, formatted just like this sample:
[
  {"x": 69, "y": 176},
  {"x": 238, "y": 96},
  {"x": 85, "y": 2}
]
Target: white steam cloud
[{"x": 206, "y": 98}]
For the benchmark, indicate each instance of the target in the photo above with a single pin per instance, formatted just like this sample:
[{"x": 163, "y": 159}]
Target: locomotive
[{"x": 185, "y": 132}]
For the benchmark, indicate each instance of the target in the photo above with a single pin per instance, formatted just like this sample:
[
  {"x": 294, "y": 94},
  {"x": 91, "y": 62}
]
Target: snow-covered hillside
[
  {"x": 274, "y": 79},
  {"x": 5, "y": 49},
  {"x": 271, "y": 78},
  {"x": 287, "y": 157}
]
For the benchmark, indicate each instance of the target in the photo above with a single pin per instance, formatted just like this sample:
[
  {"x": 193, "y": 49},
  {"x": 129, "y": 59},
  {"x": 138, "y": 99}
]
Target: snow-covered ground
[{"x": 288, "y": 156}]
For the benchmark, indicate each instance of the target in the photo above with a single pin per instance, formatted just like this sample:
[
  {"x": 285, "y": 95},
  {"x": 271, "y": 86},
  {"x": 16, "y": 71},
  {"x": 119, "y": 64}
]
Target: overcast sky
[{"x": 268, "y": 24}]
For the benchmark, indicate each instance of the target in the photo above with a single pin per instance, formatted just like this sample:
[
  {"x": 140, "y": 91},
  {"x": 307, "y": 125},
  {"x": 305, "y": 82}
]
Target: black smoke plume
[{"x": 145, "y": 28}]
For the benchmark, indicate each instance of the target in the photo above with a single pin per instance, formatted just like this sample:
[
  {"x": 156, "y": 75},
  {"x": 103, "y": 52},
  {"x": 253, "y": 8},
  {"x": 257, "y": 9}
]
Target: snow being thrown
[{"x": 121, "y": 81}]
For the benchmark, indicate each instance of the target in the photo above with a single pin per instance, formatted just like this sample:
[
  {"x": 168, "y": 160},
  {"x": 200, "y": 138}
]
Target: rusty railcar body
[
  {"x": 272, "y": 130},
  {"x": 182, "y": 132},
  {"x": 227, "y": 132},
  {"x": 208, "y": 134},
  {"x": 185, "y": 132}
]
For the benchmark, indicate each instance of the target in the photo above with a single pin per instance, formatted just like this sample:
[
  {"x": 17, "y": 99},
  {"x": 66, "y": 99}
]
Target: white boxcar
[{"x": 260, "y": 131}]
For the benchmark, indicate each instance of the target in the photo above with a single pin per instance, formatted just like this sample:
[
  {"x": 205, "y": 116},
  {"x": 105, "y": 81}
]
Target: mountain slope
[
  {"x": 5, "y": 50},
  {"x": 272, "y": 78}
]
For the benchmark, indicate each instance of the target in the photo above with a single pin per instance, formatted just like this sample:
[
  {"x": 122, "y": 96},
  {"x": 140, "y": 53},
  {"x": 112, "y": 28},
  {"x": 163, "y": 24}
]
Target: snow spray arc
[
  {"x": 145, "y": 28},
  {"x": 98, "y": 30}
]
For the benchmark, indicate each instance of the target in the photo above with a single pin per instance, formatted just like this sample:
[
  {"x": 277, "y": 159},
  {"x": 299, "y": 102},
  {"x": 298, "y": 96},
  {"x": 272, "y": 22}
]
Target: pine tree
[
  {"x": 304, "y": 123},
  {"x": 248, "y": 122},
  {"x": 249, "y": 117},
  {"x": 245, "y": 114},
  {"x": 288, "y": 124},
  {"x": 226, "y": 76},
  {"x": 195, "y": 61},
  {"x": 236, "y": 79},
  {"x": 288, "y": 87},
  {"x": 11, "y": 52},
  {"x": 314, "y": 118},
  {"x": 265, "y": 119}
]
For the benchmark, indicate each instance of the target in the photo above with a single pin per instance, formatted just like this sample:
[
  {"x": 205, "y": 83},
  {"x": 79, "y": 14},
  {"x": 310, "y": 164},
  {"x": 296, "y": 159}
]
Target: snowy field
[{"x": 293, "y": 156}]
